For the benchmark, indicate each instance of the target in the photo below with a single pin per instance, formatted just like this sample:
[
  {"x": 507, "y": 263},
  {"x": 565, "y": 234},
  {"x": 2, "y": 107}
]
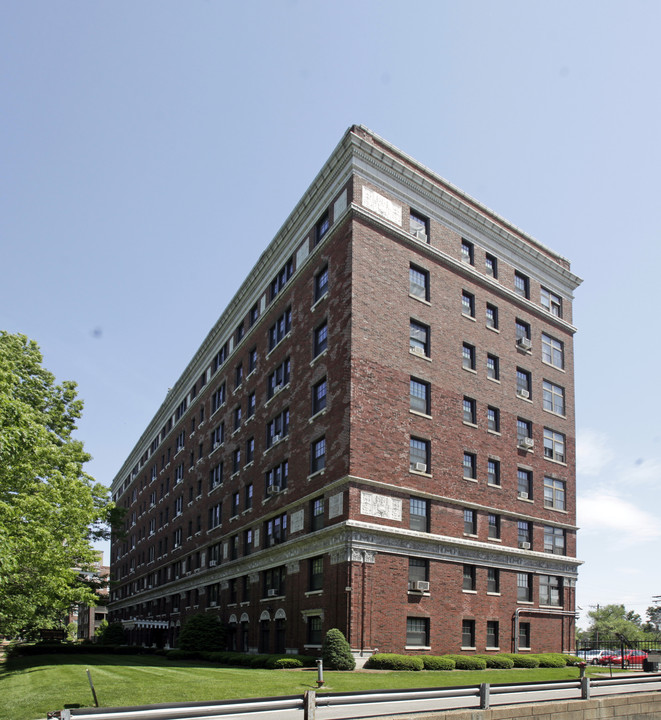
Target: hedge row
[
  {"x": 23, "y": 650},
  {"x": 502, "y": 661},
  {"x": 236, "y": 659}
]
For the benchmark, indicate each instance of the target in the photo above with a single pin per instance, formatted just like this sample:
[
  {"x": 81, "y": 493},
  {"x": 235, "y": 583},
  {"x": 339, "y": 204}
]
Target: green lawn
[{"x": 31, "y": 687}]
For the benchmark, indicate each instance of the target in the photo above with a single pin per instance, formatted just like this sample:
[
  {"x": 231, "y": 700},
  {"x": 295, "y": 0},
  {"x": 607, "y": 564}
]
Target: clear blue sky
[{"x": 150, "y": 150}]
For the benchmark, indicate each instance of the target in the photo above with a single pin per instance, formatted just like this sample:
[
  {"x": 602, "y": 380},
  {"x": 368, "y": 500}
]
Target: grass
[{"x": 32, "y": 686}]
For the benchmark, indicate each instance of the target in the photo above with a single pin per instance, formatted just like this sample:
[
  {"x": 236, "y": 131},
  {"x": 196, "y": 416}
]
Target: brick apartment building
[{"x": 377, "y": 435}]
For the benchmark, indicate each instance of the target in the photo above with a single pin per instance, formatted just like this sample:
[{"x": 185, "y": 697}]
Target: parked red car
[{"x": 631, "y": 657}]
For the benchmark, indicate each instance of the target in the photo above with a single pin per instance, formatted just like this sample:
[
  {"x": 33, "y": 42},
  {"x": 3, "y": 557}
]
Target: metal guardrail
[{"x": 335, "y": 706}]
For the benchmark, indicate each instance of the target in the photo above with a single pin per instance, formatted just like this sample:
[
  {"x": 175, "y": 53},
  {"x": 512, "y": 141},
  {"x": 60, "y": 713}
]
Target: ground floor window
[
  {"x": 524, "y": 635},
  {"x": 417, "y": 631},
  {"x": 314, "y": 630},
  {"x": 468, "y": 633},
  {"x": 492, "y": 634}
]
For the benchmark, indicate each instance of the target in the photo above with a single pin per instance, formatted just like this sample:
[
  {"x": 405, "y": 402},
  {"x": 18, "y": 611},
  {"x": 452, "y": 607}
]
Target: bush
[
  {"x": 287, "y": 663},
  {"x": 524, "y": 661},
  {"x": 112, "y": 634},
  {"x": 550, "y": 660},
  {"x": 498, "y": 662},
  {"x": 391, "y": 661},
  {"x": 336, "y": 651},
  {"x": 437, "y": 662},
  {"x": 468, "y": 662},
  {"x": 573, "y": 660},
  {"x": 202, "y": 632}
]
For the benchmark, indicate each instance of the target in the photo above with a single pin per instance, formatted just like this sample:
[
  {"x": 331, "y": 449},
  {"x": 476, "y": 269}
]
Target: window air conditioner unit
[
  {"x": 524, "y": 546},
  {"x": 523, "y": 393},
  {"x": 417, "y": 350},
  {"x": 421, "y": 467},
  {"x": 420, "y": 234},
  {"x": 149, "y": 587},
  {"x": 275, "y": 439},
  {"x": 523, "y": 495},
  {"x": 271, "y": 592},
  {"x": 273, "y": 489},
  {"x": 524, "y": 343},
  {"x": 213, "y": 603},
  {"x": 420, "y": 586},
  {"x": 527, "y": 443},
  {"x": 213, "y": 563},
  {"x": 277, "y": 388}
]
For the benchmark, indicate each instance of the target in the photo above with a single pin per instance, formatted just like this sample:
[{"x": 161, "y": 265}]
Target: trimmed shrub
[
  {"x": 550, "y": 660},
  {"x": 437, "y": 662},
  {"x": 498, "y": 662},
  {"x": 182, "y": 655},
  {"x": 524, "y": 661},
  {"x": 391, "y": 661},
  {"x": 573, "y": 660},
  {"x": 336, "y": 651},
  {"x": 112, "y": 634},
  {"x": 287, "y": 663},
  {"x": 468, "y": 662},
  {"x": 202, "y": 632}
]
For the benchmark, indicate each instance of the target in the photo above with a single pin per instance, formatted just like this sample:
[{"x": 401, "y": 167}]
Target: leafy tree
[
  {"x": 654, "y": 617},
  {"x": 110, "y": 634},
  {"x": 613, "y": 622},
  {"x": 202, "y": 632},
  {"x": 72, "y": 631},
  {"x": 50, "y": 509},
  {"x": 336, "y": 651}
]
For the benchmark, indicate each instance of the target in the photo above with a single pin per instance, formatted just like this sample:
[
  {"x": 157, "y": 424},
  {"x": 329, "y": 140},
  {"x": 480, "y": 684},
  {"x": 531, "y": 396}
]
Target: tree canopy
[
  {"x": 614, "y": 622},
  {"x": 50, "y": 509}
]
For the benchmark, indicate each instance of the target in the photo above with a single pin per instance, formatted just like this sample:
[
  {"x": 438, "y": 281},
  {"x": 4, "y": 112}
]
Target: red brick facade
[{"x": 365, "y": 370}]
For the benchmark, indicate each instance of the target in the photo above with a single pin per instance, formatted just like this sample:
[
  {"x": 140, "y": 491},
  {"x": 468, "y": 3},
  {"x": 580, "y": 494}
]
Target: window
[
  {"x": 180, "y": 441},
  {"x": 468, "y": 359},
  {"x": 554, "y": 445},
  {"x": 419, "y": 283},
  {"x": 492, "y": 316},
  {"x": 253, "y": 315},
  {"x": 218, "y": 436},
  {"x": 419, "y": 338},
  {"x": 237, "y": 417},
  {"x": 493, "y": 472},
  {"x": 554, "y": 493},
  {"x": 240, "y": 332},
  {"x": 523, "y": 588},
  {"x": 524, "y": 433},
  {"x": 524, "y": 636},
  {"x": 419, "y": 455},
  {"x": 282, "y": 278},
  {"x": 314, "y": 630},
  {"x": 493, "y": 419},
  {"x": 552, "y": 302},
  {"x": 317, "y": 513},
  {"x": 554, "y": 398},
  {"x": 523, "y": 383},
  {"x": 179, "y": 474},
  {"x": 470, "y": 411},
  {"x": 417, "y": 632},
  {"x": 235, "y": 504},
  {"x": 238, "y": 376},
  {"x": 419, "y": 514},
  {"x": 521, "y": 284},
  {"x": 493, "y": 581},
  {"x": 236, "y": 460},
  {"x": 470, "y": 522},
  {"x": 550, "y": 589},
  {"x": 319, "y": 391},
  {"x": 522, "y": 330},
  {"x": 468, "y": 634},
  {"x": 280, "y": 328},
  {"x": 320, "y": 339},
  {"x": 250, "y": 411},
  {"x": 250, "y": 450},
  {"x": 316, "y": 573},
  {"x": 276, "y": 478},
  {"x": 524, "y": 486},
  {"x": 420, "y": 396},
  {"x": 318, "y": 455},
  {"x": 218, "y": 398},
  {"x": 493, "y": 367},
  {"x": 554, "y": 540},
  {"x": 176, "y": 538},
  {"x": 321, "y": 283},
  {"x": 278, "y": 378},
  {"x": 178, "y": 506},
  {"x": 321, "y": 228},
  {"x": 216, "y": 476},
  {"x": 276, "y": 530},
  {"x": 274, "y": 581},
  {"x": 469, "y": 581},
  {"x": 467, "y": 252},
  {"x": 494, "y": 527},
  {"x": 553, "y": 351},
  {"x": 468, "y": 304},
  {"x": 252, "y": 360},
  {"x": 418, "y": 571},
  {"x": 524, "y": 535},
  {"x": 220, "y": 358},
  {"x": 493, "y": 642},
  {"x": 419, "y": 226},
  {"x": 491, "y": 265},
  {"x": 248, "y": 496},
  {"x": 277, "y": 428},
  {"x": 470, "y": 466}
]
